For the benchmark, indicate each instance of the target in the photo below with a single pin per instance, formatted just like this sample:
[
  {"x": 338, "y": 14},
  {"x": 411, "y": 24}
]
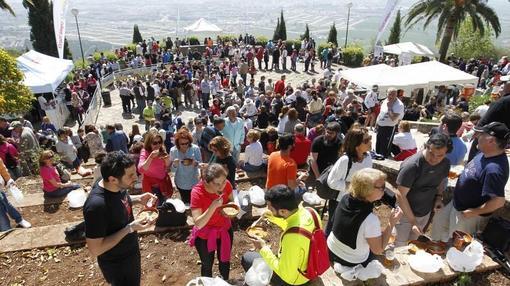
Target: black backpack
[
  {"x": 323, "y": 189},
  {"x": 168, "y": 216}
]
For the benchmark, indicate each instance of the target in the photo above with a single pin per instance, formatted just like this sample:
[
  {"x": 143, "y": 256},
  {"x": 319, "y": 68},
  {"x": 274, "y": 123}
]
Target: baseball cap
[
  {"x": 496, "y": 129},
  {"x": 15, "y": 124}
]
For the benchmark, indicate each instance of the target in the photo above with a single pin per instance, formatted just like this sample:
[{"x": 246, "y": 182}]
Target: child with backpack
[{"x": 303, "y": 254}]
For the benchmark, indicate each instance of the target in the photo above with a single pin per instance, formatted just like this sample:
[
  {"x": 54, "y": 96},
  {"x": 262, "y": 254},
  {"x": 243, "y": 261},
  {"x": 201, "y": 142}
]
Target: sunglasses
[{"x": 157, "y": 142}]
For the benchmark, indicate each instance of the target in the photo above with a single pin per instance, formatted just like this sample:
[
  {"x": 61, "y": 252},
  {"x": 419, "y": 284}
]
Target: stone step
[
  {"x": 36, "y": 199},
  {"x": 53, "y": 235}
]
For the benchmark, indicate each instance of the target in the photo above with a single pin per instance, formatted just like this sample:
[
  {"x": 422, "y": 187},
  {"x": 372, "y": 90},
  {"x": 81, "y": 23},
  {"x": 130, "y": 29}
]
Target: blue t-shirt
[
  {"x": 482, "y": 179},
  {"x": 456, "y": 157}
]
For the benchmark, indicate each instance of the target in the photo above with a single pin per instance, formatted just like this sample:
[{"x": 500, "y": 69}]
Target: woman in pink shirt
[
  {"x": 153, "y": 165},
  {"x": 53, "y": 186}
]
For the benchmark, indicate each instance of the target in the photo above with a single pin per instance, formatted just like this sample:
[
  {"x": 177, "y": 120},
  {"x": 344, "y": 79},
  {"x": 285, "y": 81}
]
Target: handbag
[
  {"x": 497, "y": 234},
  {"x": 323, "y": 189}
]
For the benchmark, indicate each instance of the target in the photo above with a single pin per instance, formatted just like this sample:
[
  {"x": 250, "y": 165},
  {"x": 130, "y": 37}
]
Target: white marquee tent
[
  {"x": 43, "y": 73},
  {"x": 422, "y": 75},
  {"x": 408, "y": 47},
  {"x": 202, "y": 25}
]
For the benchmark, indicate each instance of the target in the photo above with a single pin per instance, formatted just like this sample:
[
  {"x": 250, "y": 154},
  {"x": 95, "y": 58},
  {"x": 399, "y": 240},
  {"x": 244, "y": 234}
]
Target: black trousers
[
  {"x": 247, "y": 262},
  {"x": 126, "y": 104},
  {"x": 207, "y": 258},
  {"x": 337, "y": 259},
  {"x": 126, "y": 272},
  {"x": 384, "y": 137},
  {"x": 185, "y": 195}
]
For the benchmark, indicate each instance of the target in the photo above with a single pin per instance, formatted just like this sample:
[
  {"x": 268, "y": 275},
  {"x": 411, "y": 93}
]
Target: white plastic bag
[
  {"x": 372, "y": 271},
  {"x": 76, "y": 198},
  {"x": 467, "y": 260},
  {"x": 259, "y": 273},
  {"x": 15, "y": 193},
  {"x": 208, "y": 281},
  {"x": 312, "y": 198},
  {"x": 257, "y": 196},
  {"x": 425, "y": 262}
]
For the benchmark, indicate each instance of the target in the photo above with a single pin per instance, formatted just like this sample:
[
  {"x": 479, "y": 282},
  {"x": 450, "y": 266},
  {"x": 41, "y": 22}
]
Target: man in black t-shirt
[
  {"x": 110, "y": 228},
  {"x": 326, "y": 148}
]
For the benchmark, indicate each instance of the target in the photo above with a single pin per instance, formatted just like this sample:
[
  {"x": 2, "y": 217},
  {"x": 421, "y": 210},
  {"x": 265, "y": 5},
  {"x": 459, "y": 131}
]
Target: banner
[
  {"x": 388, "y": 11},
  {"x": 59, "y": 24}
]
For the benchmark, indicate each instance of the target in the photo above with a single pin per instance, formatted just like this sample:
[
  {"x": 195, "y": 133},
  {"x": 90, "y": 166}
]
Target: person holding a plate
[
  {"x": 110, "y": 227},
  {"x": 212, "y": 233},
  {"x": 153, "y": 165},
  {"x": 186, "y": 157}
]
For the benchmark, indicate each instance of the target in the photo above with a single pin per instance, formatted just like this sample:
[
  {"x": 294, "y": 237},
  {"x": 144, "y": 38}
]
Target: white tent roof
[
  {"x": 43, "y": 73},
  {"x": 201, "y": 25},
  {"x": 408, "y": 47},
  {"x": 408, "y": 77}
]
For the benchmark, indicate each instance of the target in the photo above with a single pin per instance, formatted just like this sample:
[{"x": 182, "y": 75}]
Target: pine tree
[
  {"x": 137, "y": 37},
  {"x": 67, "y": 52},
  {"x": 395, "y": 31},
  {"x": 42, "y": 32},
  {"x": 276, "y": 34},
  {"x": 283, "y": 30},
  {"x": 306, "y": 35},
  {"x": 332, "y": 36}
]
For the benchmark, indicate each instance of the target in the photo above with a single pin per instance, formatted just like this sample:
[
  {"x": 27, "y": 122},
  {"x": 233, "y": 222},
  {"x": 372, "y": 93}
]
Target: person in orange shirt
[{"x": 282, "y": 169}]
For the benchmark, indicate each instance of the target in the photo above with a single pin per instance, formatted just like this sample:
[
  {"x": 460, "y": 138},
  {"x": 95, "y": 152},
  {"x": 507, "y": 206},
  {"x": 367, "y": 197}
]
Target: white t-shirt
[
  {"x": 281, "y": 124},
  {"x": 67, "y": 151},
  {"x": 384, "y": 118},
  {"x": 336, "y": 178},
  {"x": 253, "y": 154},
  {"x": 370, "y": 228},
  {"x": 371, "y": 99},
  {"x": 404, "y": 141}
]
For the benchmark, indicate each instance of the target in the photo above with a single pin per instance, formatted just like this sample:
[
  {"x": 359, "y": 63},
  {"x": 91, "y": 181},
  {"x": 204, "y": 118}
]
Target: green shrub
[
  {"x": 131, "y": 48},
  {"x": 110, "y": 56},
  {"x": 229, "y": 38},
  {"x": 353, "y": 55},
  {"x": 477, "y": 100},
  {"x": 193, "y": 40},
  {"x": 295, "y": 43},
  {"x": 261, "y": 41}
]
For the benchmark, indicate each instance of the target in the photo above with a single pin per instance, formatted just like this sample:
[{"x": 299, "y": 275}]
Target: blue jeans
[
  {"x": 251, "y": 168},
  {"x": 7, "y": 209},
  {"x": 61, "y": 192}
]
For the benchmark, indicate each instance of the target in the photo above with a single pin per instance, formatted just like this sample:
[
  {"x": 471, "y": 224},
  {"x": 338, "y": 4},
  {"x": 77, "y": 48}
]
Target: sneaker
[{"x": 25, "y": 224}]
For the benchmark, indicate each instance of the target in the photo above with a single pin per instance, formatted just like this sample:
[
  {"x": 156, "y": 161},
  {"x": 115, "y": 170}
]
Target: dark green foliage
[
  {"x": 333, "y": 35},
  {"x": 306, "y": 35},
  {"x": 137, "y": 37},
  {"x": 395, "y": 30}
]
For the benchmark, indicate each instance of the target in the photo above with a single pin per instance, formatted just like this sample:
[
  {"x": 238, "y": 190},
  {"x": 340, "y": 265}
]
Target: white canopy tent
[
  {"x": 202, "y": 25},
  {"x": 425, "y": 75},
  {"x": 413, "y": 49},
  {"x": 43, "y": 73}
]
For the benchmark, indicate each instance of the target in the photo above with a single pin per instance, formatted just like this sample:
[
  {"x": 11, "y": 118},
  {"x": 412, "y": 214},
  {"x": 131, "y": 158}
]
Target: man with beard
[{"x": 110, "y": 227}]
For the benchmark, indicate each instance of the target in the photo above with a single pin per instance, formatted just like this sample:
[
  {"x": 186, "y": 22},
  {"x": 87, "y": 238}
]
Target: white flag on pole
[
  {"x": 59, "y": 24},
  {"x": 388, "y": 11}
]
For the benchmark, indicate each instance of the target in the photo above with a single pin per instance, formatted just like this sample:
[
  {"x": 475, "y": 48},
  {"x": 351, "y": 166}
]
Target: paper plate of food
[
  {"x": 257, "y": 231},
  {"x": 230, "y": 210},
  {"x": 148, "y": 215}
]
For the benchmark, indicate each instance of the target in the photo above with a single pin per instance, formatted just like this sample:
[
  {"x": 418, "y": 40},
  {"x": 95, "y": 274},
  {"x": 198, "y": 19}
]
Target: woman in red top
[
  {"x": 153, "y": 165},
  {"x": 212, "y": 231},
  {"x": 215, "y": 109}
]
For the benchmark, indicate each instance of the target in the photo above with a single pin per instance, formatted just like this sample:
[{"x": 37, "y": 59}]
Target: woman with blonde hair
[
  {"x": 356, "y": 235},
  {"x": 53, "y": 186},
  {"x": 153, "y": 165}
]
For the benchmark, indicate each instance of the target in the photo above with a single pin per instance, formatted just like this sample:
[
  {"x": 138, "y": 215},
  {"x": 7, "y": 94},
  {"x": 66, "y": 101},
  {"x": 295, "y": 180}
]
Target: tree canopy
[
  {"x": 450, "y": 14},
  {"x": 395, "y": 31},
  {"x": 333, "y": 35},
  {"x": 15, "y": 97},
  {"x": 137, "y": 37},
  {"x": 471, "y": 44}
]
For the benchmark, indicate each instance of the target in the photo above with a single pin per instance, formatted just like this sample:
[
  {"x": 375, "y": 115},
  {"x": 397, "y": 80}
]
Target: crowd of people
[{"x": 324, "y": 125}]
